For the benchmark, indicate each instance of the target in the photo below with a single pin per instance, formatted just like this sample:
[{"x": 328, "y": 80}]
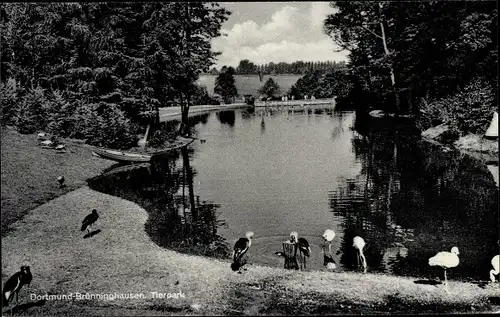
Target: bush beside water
[
  {"x": 100, "y": 124},
  {"x": 470, "y": 110}
]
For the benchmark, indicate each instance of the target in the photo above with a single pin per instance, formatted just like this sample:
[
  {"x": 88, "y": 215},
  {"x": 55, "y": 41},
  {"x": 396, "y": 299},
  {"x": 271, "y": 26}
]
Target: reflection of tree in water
[
  {"x": 412, "y": 200},
  {"x": 177, "y": 219},
  {"x": 226, "y": 117}
]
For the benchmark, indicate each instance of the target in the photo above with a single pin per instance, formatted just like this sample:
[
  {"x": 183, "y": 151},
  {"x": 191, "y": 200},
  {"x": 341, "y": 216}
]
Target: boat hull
[{"x": 120, "y": 156}]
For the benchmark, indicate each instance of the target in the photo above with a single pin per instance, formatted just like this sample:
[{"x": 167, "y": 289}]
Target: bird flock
[{"x": 445, "y": 260}]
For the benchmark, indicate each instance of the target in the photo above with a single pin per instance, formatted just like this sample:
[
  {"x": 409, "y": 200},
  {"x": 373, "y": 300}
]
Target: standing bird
[
  {"x": 328, "y": 236},
  {"x": 61, "y": 181},
  {"x": 240, "y": 249},
  {"x": 14, "y": 285},
  {"x": 445, "y": 260},
  {"x": 90, "y": 220},
  {"x": 328, "y": 260},
  {"x": 358, "y": 243},
  {"x": 303, "y": 246},
  {"x": 495, "y": 262}
]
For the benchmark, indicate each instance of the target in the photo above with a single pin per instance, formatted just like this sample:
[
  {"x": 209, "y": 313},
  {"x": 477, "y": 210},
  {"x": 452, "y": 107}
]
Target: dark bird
[
  {"x": 14, "y": 285},
  {"x": 61, "y": 181},
  {"x": 303, "y": 246},
  {"x": 240, "y": 249},
  {"x": 89, "y": 220}
]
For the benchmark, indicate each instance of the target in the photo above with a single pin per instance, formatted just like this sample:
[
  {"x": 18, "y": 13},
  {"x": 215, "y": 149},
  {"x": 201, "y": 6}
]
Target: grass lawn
[{"x": 121, "y": 258}]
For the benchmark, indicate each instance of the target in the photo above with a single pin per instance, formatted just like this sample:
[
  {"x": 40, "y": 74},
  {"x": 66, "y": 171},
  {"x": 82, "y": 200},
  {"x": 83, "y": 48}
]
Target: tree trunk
[
  {"x": 393, "y": 77},
  {"x": 189, "y": 176}
]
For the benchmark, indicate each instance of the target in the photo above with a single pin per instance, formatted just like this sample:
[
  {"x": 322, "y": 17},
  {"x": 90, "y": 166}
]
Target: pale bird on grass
[
  {"x": 47, "y": 143},
  {"x": 495, "y": 262},
  {"x": 328, "y": 260},
  {"x": 40, "y": 135},
  {"x": 359, "y": 243},
  {"x": 328, "y": 236},
  {"x": 446, "y": 260}
]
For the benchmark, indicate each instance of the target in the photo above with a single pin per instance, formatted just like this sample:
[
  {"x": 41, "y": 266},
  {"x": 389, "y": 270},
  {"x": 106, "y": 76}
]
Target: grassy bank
[
  {"x": 121, "y": 258},
  {"x": 29, "y": 173}
]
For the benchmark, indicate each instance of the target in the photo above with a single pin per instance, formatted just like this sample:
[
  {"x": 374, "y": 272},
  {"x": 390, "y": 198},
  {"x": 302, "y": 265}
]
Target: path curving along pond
[{"x": 273, "y": 171}]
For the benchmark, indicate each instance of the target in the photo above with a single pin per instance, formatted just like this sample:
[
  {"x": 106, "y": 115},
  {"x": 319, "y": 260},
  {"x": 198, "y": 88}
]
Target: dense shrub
[
  {"x": 103, "y": 124},
  {"x": 9, "y": 95},
  {"x": 470, "y": 109},
  {"x": 31, "y": 112},
  {"x": 61, "y": 115}
]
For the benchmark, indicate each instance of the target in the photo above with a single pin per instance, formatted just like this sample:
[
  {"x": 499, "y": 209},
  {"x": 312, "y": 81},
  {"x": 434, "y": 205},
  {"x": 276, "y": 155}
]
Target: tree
[
  {"x": 225, "y": 84},
  {"x": 270, "y": 88},
  {"x": 417, "y": 51},
  {"x": 246, "y": 67},
  {"x": 124, "y": 59}
]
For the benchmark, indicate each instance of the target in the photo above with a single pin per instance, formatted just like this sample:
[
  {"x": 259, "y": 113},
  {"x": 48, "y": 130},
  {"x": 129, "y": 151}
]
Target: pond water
[{"x": 273, "y": 171}]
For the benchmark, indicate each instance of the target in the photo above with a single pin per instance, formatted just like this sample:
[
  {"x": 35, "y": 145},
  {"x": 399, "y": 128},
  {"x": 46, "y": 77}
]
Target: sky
[{"x": 265, "y": 32}]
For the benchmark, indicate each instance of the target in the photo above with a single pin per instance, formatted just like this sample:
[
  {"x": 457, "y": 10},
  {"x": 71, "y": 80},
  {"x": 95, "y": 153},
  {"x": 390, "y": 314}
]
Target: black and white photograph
[{"x": 249, "y": 158}]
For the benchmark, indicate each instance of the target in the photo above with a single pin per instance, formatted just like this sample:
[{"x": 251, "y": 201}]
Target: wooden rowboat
[
  {"x": 121, "y": 156},
  {"x": 128, "y": 157}
]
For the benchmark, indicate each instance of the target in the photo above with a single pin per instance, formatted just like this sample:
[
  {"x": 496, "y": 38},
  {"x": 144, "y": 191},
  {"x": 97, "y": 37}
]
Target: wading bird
[
  {"x": 358, "y": 243},
  {"x": 40, "y": 135},
  {"x": 61, "y": 181},
  {"x": 446, "y": 260},
  {"x": 14, "y": 285},
  {"x": 303, "y": 246},
  {"x": 328, "y": 236},
  {"x": 240, "y": 249},
  {"x": 495, "y": 262},
  {"x": 89, "y": 221}
]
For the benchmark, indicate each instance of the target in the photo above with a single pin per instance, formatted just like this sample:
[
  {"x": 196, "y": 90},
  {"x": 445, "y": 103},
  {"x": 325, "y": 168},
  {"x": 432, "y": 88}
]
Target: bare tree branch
[{"x": 372, "y": 32}]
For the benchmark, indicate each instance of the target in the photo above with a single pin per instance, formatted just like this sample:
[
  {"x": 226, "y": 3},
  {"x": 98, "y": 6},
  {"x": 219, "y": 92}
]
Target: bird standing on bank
[
  {"x": 89, "y": 221},
  {"x": 328, "y": 260},
  {"x": 359, "y": 243},
  {"x": 302, "y": 245},
  {"x": 495, "y": 262},
  {"x": 61, "y": 181},
  {"x": 240, "y": 249},
  {"x": 14, "y": 285},
  {"x": 328, "y": 237},
  {"x": 446, "y": 260}
]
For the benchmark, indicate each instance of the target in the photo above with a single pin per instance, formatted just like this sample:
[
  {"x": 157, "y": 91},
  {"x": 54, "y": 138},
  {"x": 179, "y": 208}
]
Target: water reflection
[
  {"x": 226, "y": 117},
  {"x": 411, "y": 200},
  {"x": 299, "y": 169},
  {"x": 177, "y": 218}
]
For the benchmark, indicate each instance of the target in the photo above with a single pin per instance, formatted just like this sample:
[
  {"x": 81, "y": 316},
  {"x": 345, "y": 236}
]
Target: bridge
[
  {"x": 293, "y": 103},
  {"x": 174, "y": 113}
]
